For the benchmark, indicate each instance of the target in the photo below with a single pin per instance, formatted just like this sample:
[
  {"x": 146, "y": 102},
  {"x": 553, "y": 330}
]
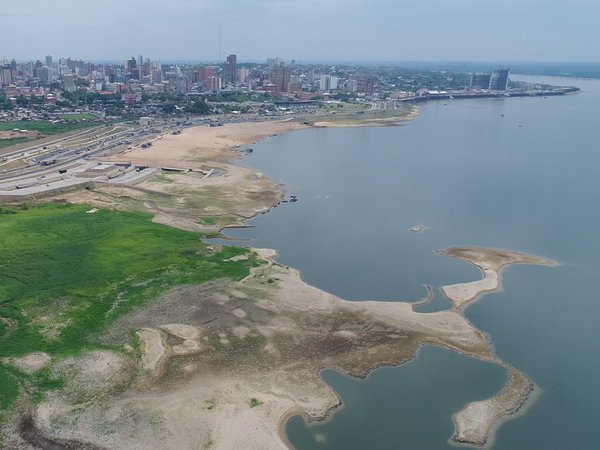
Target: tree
[
  {"x": 198, "y": 107},
  {"x": 5, "y": 103},
  {"x": 169, "y": 108},
  {"x": 22, "y": 101}
]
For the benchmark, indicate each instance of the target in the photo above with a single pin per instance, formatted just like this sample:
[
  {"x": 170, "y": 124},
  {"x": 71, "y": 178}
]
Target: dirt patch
[
  {"x": 17, "y": 134},
  {"x": 183, "y": 331},
  {"x": 31, "y": 363},
  {"x": 152, "y": 348}
]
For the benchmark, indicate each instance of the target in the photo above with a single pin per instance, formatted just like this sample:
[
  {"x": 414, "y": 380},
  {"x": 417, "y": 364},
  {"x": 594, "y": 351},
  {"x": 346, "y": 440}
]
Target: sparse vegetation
[
  {"x": 208, "y": 441},
  {"x": 44, "y": 127},
  {"x": 66, "y": 275},
  {"x": 254, "y": 402}
]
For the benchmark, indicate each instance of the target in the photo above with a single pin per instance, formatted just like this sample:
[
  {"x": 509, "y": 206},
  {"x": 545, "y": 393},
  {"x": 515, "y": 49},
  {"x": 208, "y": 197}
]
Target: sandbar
[{"x": 491, "y": 262}]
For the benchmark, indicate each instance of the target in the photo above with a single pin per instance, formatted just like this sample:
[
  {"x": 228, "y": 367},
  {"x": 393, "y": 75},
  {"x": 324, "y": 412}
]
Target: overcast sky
[{"x": 308, "y": 30}]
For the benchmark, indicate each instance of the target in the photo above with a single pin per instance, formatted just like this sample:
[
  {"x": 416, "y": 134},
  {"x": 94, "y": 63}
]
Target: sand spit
[
  {"x": 490, "y": 262},
  {"x": 476, "y": 423},
  {"x": 392, "y": 118}
]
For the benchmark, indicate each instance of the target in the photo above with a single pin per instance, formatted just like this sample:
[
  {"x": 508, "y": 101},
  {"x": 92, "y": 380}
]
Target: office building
[
  {"x": 230, "y": 70},
  {"x": 499, "y": 80},
  {"x": 7, "y": 77},
  {"x": 480, "y": 81},
  {"x": 69, "y": 83},
  {"x": 280, "y": 76},
  {"x": 45, "y": 74}
]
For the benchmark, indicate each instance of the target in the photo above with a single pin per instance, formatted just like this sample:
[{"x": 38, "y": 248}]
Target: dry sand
[
  {"x": 477, "y": 422},
  {"x": 197, "y": 145},
  {"x": 490, "y": 262},
  {"x": 193, "y": 201}
]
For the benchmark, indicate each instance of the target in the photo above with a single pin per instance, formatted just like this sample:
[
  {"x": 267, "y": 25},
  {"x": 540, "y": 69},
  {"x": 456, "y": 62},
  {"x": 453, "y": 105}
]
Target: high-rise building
[
  {"x": 365, "y": 83},
  {"x": 49, "y": 60},
  {"x": 38, "y": 65},
  {"x": 328, "y": 83},
  {"x": 130, "y": 64},
  {"x": 69, "y": 83},
  {"x": 205, "y": 72},
  {"x": 212, "y": 83},
  {"x": 6, "y": 78},
  {"x": 351, "y": 85},
  {"x": 45, "y": 74},
  {"x": 499, "y": 80},
  {"x": 230, "y": 70},
  {"x": 480, "y": 81},
  {"x": 280, "y": 76},
  {"x": 325, "y": 83},
  {"x": 244, "y": 73}
]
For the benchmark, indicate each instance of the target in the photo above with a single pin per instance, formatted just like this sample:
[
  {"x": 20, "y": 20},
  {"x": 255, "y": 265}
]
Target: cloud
[{"x": 309, "y": 29}]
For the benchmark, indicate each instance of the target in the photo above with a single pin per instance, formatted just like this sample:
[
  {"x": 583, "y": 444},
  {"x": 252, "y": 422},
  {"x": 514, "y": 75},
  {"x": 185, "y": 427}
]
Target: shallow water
[{"x": 527, "y": 181}]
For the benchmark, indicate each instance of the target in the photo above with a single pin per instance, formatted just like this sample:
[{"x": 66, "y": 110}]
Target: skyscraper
[
  {"x": 280, "y": 77},
  {"x": 6, "y": 78},
  {"x": 499, "y": 80},
  {"x": 230, "y": 70},
  {"x": 45, "y": 74},
  {"x": 480, "y": 80}
]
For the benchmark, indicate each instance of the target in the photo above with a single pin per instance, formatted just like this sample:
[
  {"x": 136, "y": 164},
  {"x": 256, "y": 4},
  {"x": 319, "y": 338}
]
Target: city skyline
[{"x": 310, "y": 30}]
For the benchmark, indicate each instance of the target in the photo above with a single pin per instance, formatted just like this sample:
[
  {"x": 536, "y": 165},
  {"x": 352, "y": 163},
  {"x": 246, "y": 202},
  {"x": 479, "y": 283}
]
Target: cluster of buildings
[
  {"x": 138, "y": 76},
  {"x": 144, "y": 87},
  {"x": 497, "y": 80}
]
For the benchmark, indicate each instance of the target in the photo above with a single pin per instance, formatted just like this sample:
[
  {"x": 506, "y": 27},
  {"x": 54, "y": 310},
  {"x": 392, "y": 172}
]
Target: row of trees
[
  {"x": 5, "y": 104},
  {"x": 195, "y": 107}
]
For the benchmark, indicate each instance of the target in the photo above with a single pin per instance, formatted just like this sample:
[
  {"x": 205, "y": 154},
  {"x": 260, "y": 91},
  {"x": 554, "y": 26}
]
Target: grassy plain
[
  {"x": 66, "y": 274},
  {"x": 45, "y": 128},
  {"x": 75, "y": 117}
]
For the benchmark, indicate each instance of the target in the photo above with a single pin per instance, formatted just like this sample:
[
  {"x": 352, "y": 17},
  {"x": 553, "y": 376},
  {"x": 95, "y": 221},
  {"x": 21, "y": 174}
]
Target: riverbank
[{"x": 223, "y": 362}]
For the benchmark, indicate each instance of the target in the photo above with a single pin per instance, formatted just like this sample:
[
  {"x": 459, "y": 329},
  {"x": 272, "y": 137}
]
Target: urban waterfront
[{"x": 514, "y": 173}]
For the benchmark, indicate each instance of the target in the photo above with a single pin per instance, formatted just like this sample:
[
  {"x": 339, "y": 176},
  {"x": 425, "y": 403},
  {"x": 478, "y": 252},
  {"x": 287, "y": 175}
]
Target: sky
[{"x": 307, "y": 30}]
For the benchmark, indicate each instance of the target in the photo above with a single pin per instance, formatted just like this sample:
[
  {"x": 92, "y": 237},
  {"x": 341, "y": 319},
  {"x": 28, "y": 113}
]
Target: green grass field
[
  {"x": 45, "y": 127},
  {"x": 75, "y": 117},
  {"x": 9, "y": 142},
  {"x": 66, "y": 274}
]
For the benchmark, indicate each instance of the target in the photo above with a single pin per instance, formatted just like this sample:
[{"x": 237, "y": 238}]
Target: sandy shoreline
[
  {"x": 295, "y": 325},
  {"x": 491, "y": 264}
]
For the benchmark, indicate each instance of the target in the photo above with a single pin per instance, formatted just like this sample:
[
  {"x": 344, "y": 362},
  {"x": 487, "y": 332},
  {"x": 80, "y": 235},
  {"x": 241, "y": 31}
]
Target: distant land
[{"x": 554, "y": 69}]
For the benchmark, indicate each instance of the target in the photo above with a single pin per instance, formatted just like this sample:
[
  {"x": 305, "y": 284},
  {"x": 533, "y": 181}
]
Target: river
[{"x": 515, "y": 173}]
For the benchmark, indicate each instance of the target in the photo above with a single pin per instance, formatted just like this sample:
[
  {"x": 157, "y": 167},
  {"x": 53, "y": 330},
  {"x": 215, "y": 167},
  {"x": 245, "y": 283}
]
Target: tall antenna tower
[{"x": 220, "y": 43}]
